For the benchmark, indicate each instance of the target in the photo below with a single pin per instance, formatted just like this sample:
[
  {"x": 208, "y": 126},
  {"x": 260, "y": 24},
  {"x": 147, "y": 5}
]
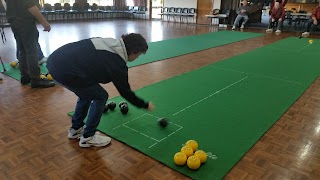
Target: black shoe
[
  {"x": 25, "y": 80},
  {"x": 42, "y": 83}
]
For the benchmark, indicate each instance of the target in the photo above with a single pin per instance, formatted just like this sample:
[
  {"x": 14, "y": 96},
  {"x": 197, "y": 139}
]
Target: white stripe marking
[{"x": 209, "y": 96}]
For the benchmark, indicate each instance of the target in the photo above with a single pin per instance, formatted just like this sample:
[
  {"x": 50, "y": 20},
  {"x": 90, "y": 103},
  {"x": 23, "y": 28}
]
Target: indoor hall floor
[{"x": 34, "y": 122}]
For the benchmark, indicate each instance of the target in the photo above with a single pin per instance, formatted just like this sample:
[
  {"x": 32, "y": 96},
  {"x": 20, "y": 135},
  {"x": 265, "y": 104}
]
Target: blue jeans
[
  {"x": 40, "y": 53},
  {"x": 239, "y": 17},
  {"x": 92, "y": 99}
]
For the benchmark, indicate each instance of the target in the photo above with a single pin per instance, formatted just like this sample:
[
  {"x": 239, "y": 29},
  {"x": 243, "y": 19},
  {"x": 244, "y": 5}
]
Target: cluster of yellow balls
[
  {"x": 191, "y": 155},
  {"x": 46, "y": 76}
]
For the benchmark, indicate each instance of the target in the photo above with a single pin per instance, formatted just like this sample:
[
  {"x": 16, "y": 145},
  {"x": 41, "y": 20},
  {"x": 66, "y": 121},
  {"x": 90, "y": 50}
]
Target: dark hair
[{"x": 135, "y": 43}]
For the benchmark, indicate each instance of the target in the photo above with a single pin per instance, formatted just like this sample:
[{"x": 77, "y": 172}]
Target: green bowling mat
[
  {"x": 226, "y": 106},
  {"x": 173, "y": 47},
  {"x": 15, "y": 73},
  {"x": 176, "y": 47}
]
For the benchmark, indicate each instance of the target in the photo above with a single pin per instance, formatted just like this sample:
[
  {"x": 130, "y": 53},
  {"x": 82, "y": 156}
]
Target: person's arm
[
  {"x": 283, "y": 14},
  {"x": 314, "y": 15},
  {"x": 238, "y": 10},
  {"x": 272, "y": 14},
  {"x": 120, "y": 81},
  {"x": 247, "y": 9},
  {"x": 314, "y": 18},
  {"x": 34, "y": 10}
]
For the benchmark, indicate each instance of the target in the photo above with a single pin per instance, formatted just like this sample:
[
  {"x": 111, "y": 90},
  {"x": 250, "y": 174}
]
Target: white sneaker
[
  {"x": 305, "y": 34},
  {"x": 74, "y": 134},
  {"x": 43, "y": 60},
  {"x": 242, "y": 26},
  {"x": 233, "y": 27},
  {"x": 96, "y": 140},
  {"x": 278, "y": 31},
  {"x": 269, "y": 31}
]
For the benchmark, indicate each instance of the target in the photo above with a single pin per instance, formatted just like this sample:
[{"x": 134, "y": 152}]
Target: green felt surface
[
  {"x": 176, "y": 47},
  {"x": 226, "y": 106}
]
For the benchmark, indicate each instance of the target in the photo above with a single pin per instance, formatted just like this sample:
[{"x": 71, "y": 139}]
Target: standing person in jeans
[
  {"x": 243, "y": 12},
  {"x": 82, "y": 65},
  {"x": 314, "y": 20},
  {"x": 22, "y": 16}
]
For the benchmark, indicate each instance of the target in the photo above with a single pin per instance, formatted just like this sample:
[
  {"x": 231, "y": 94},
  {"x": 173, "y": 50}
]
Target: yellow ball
[
  {"x": 49, "y": 77},
  {"x": 42, "y": 76},
  {"x": 310, "y": 41},
  {"x": 193, "y": 162},
  {"x": 193, "y": 144},
  {"x": 13, "y": 64},
  {"x": 187, "y": 151},
  {"x": 201, "y": 155},
  {"x": 180, "y": 158}
]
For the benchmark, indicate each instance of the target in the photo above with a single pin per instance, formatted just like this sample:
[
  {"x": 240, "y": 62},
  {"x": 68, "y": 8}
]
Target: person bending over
[{"x": 82, "y": 65}]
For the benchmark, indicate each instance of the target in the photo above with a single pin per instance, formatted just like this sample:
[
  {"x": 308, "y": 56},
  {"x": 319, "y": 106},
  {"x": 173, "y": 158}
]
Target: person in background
[
  {"x": 314, "y": 20},
  {"x": 243, "y": 12},
  {"x": 22, "y": 16},
  {"x": 277, "y": 16}
]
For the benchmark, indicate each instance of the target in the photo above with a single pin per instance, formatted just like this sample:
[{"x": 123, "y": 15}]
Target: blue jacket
[{"x": 92, "y": 61}]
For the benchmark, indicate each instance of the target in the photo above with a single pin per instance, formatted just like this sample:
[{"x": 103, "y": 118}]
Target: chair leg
[{"x": 3, "y": 35}]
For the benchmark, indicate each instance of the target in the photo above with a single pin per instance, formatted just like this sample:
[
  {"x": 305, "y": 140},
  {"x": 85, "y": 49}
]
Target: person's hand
[
  {"x": 46, "y": 26},
  {"x": 280, "y": 19},
  {"x": 315, "y": 22},
  {"x": 243, "y": 11},
  {"x": 150, "y": 107},
  {"x": 272, "y": 20}
]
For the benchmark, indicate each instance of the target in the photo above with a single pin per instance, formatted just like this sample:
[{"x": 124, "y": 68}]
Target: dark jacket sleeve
[
  {"x": 120, "y": 80},
  {"x": 283, "y": 13}
]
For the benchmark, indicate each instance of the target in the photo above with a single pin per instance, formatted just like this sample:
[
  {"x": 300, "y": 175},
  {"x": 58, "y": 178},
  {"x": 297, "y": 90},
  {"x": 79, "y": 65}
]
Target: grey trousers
[{"x": 26, "y": 34}]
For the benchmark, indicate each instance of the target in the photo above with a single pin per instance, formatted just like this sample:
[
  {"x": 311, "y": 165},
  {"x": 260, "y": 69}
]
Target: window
[
  {"x": 101, "y": 2},
  {"x": 98, "y": 2},
  {"x": 130, "y": 3},
  {"x": 52, "y": 2}
]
